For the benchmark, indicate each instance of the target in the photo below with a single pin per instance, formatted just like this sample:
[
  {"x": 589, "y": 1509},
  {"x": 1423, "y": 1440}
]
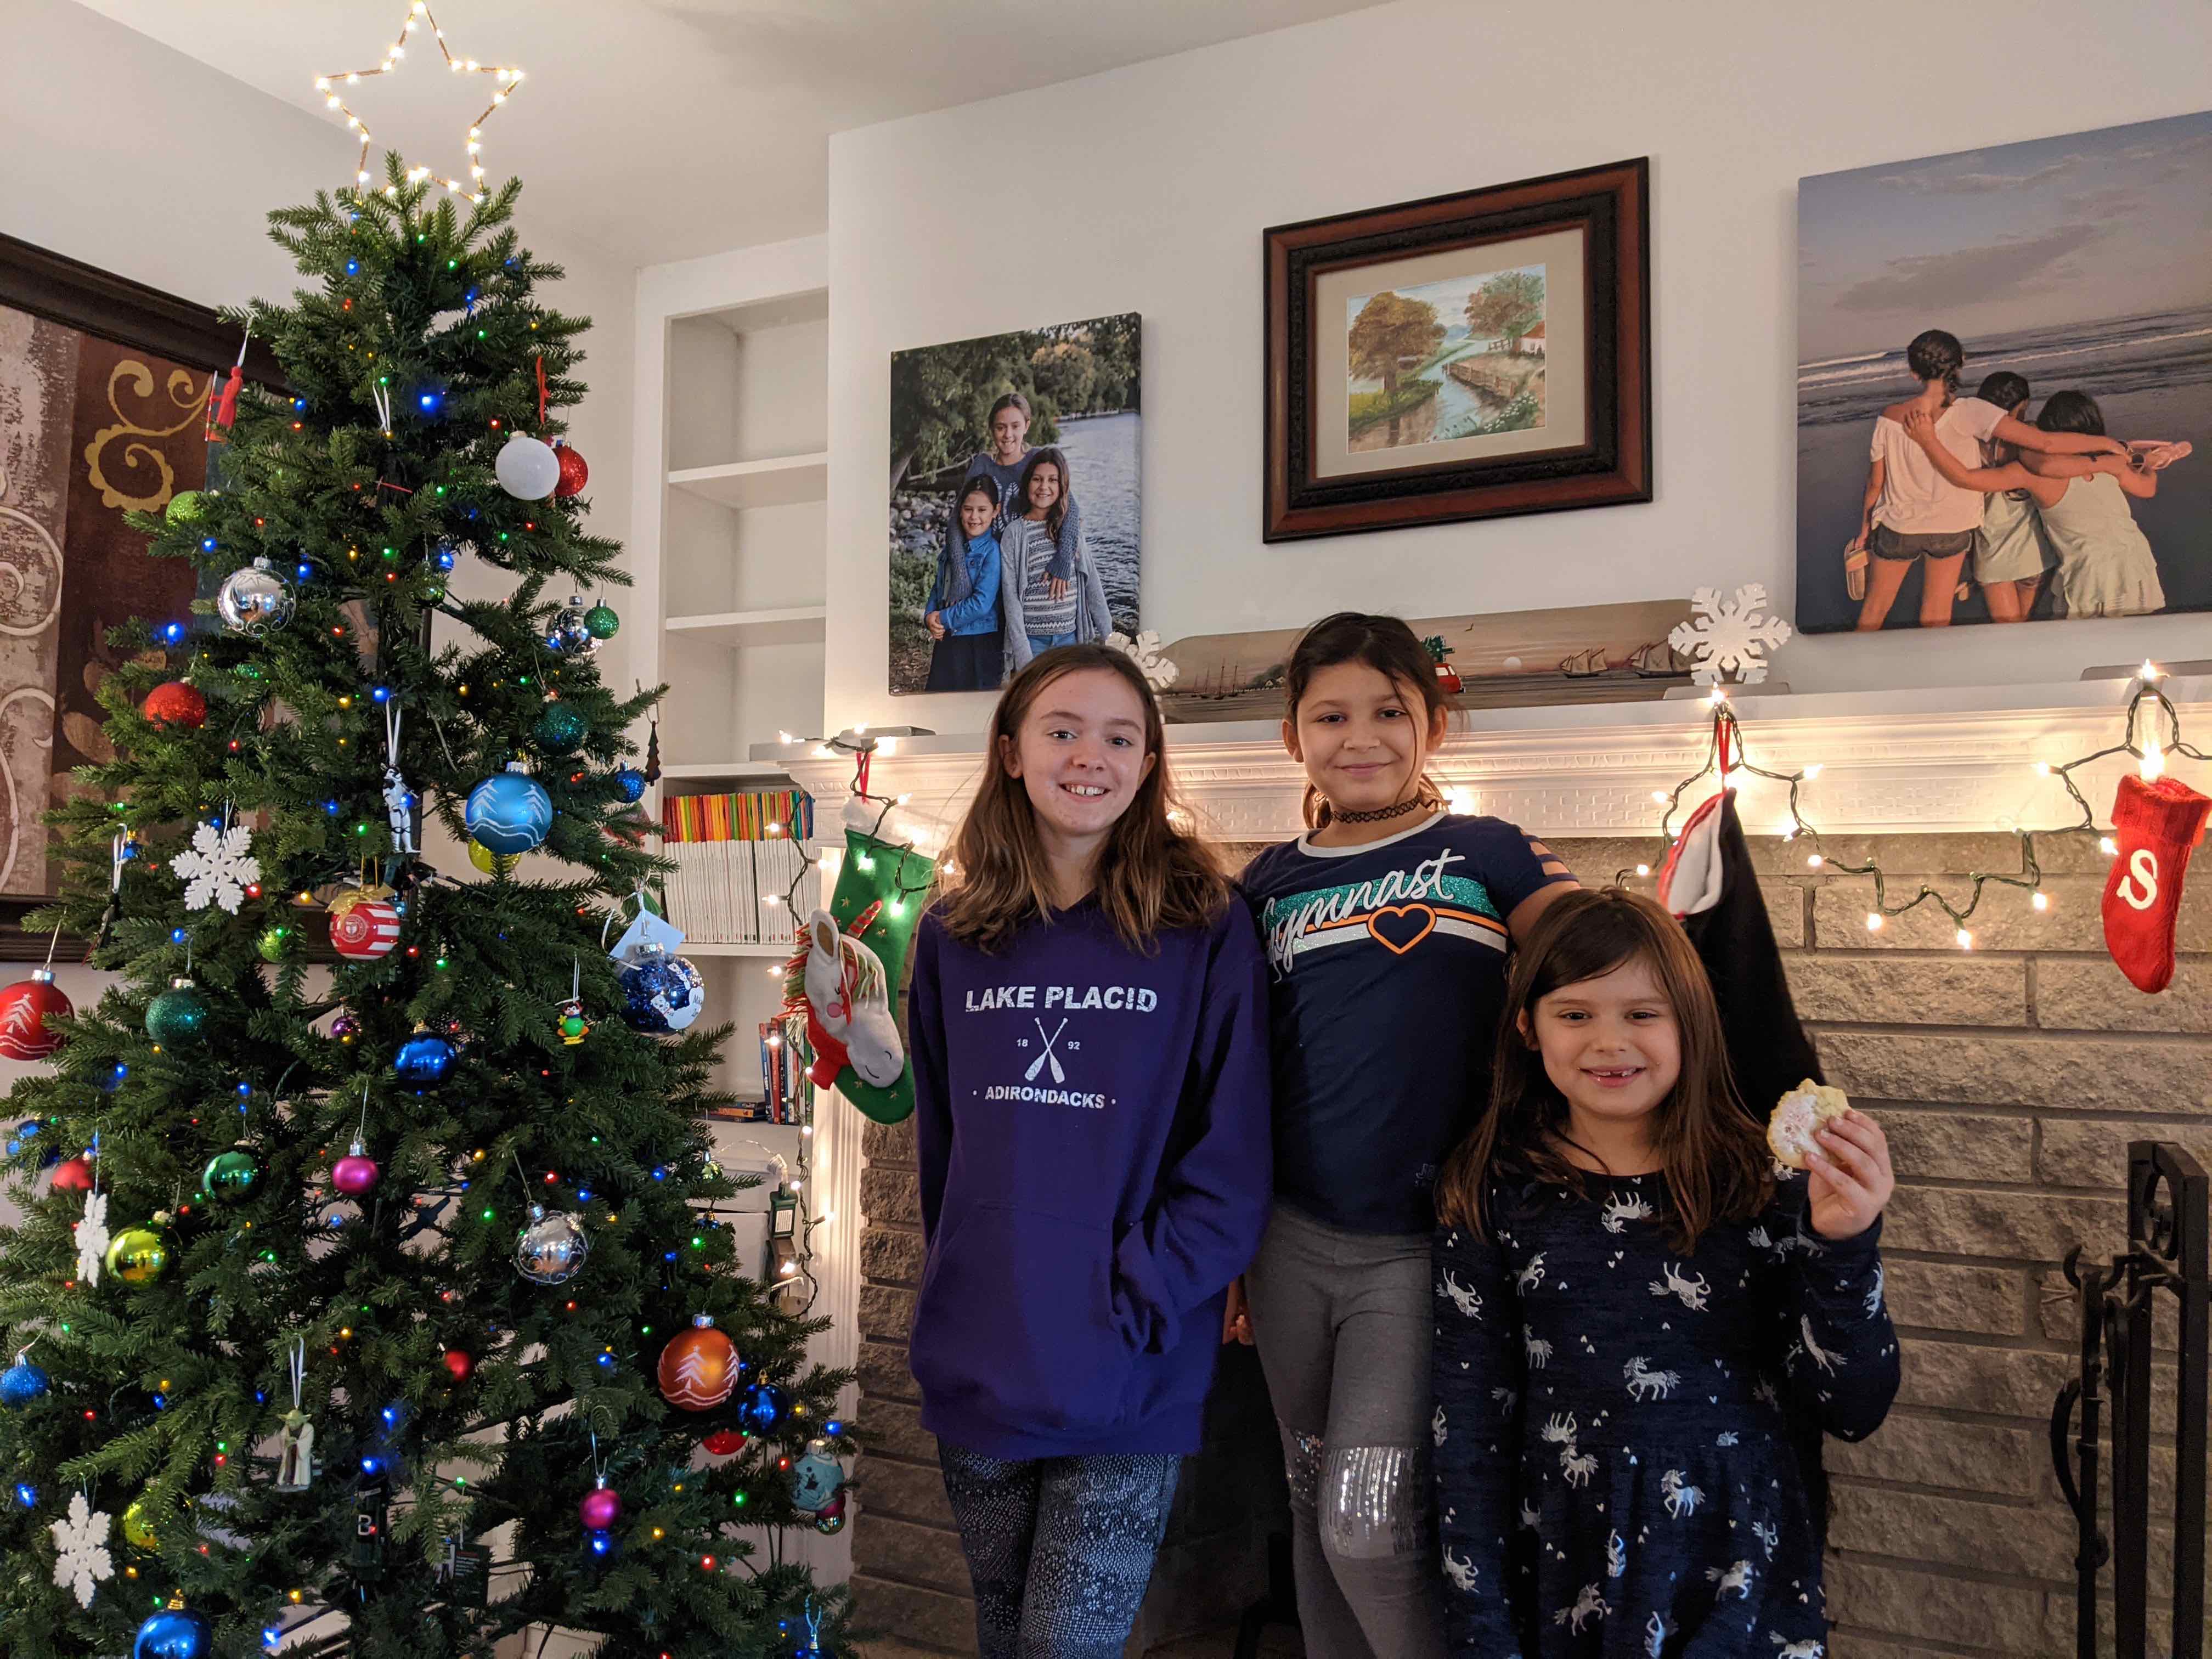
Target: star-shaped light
[{"x": 508, "y": 80}]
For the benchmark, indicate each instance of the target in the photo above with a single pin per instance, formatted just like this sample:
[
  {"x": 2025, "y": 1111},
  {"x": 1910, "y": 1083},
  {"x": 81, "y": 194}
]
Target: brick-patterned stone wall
[{"x": 2009, "y": 1079}]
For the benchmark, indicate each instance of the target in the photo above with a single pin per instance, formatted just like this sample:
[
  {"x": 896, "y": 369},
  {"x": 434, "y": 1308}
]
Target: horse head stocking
[{"x": 849, "y": 1015}]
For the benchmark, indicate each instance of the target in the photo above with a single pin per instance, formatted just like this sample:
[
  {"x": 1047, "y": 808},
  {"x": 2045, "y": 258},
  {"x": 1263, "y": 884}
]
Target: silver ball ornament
[
  {"x": 550, "y": 1250},
  {"x": 255, "y": 599}
]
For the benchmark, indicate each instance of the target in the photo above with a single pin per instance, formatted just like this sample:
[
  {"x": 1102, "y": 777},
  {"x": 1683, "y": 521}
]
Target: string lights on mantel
[
  {"x": 2151, "y": 749},
  {"x": 508, "y": 79}
]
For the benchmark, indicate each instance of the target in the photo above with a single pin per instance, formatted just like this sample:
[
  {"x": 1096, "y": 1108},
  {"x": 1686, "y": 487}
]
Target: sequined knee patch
[
  {"x": 1302, "y": 1455},
  {"x": 1374, "y": 1501}
]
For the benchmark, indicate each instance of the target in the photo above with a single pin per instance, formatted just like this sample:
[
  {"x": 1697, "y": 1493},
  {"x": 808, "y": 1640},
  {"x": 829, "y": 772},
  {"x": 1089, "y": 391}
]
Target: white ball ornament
[{"x": 527, "y": 467}]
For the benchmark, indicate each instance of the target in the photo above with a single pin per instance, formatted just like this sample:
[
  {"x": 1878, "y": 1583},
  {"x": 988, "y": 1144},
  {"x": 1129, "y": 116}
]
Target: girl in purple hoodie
[{"x": 1089, "y": 1032}]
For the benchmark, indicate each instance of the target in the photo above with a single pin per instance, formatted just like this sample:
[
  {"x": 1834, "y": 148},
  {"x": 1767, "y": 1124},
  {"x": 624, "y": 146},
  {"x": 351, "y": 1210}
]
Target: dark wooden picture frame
[
  {"x": 90, "y": 301},
  {"x": 1611, "y": 206}
]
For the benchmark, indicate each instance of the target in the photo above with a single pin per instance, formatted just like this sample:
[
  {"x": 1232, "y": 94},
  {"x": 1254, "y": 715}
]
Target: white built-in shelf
[
  {"x": 794, "y": 625},
  {"x": 715, "y": 771},
  {"x": 776, "y": 482},
  {"x": 693, "y": 947}
]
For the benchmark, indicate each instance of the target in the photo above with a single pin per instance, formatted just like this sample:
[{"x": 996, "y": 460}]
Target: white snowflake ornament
[
  {"x": 1145, "y": 651},
  {"x": 92, "y": 1239},
  {"x": 84, "y": 1563},
  {"x": 219, "y": 868},
  {"x": 1727, "y": 635}
]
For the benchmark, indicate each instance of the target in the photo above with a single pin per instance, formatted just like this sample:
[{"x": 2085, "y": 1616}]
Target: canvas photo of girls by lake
[
  {"x": 2004, "y": 370},
  {"x": 1013, "y": 517},
  {"x": 1459, "y": 358}
]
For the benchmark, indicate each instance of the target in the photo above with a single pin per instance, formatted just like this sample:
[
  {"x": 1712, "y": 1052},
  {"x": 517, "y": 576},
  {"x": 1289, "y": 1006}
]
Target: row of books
[
  {"x": 737, "y": 859},
  {"x": 783, "y": 1075},
  {"x": 757, "y": 815},
  {"x": 741, "y": 892}
]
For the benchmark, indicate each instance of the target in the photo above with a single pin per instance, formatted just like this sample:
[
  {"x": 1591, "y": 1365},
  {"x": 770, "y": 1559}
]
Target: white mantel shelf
[{"x": 1926, "y": 760}]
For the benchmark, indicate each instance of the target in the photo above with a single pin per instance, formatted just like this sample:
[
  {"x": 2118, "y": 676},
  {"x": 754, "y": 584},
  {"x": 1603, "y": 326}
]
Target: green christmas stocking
[{"x": 847, "y": 982}]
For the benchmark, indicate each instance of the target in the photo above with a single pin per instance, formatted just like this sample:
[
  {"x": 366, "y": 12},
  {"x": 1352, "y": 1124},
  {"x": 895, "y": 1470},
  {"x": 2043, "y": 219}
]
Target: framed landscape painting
[{"x": 1467, "y": 356}]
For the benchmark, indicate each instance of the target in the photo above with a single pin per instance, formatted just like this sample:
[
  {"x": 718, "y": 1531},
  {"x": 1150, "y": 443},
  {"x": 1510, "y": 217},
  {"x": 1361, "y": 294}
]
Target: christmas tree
[{"x": 371, "y": 1298}]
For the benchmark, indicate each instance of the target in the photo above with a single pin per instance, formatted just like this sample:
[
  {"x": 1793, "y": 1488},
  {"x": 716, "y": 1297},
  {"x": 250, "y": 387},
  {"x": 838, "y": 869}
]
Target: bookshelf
[{"x": 730, "y": 538}]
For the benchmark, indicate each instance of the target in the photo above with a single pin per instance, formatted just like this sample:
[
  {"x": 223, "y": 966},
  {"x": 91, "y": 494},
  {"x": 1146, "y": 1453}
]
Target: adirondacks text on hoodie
[{"x": 1092, "y": 1126}]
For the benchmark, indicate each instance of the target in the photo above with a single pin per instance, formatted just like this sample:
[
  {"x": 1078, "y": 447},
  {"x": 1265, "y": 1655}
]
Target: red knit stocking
[{"x": 2157, "y": 825}]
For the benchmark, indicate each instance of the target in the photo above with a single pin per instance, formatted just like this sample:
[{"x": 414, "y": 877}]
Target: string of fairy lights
[
  {"x": 509, "y": 80},
  {"x": 1726, "y": 752}
]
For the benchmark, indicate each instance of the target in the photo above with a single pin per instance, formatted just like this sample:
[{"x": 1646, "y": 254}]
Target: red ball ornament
[
  {"x": 727, "y": 1442},
  {"x": 462, "y": 1365},
  {"x": 600, "y": 1509},
  {"x": 72, "y": 1175},
  {"x": 25, "y": 1007},
  {"x": 699, "y": 1368},
  {"x": 574, "y": 475},
  {"x": 363, "y": 926},
  {"x": 175, "y": 704}
]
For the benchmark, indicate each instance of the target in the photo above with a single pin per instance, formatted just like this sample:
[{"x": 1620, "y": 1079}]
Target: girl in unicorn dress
[{"x": 1637, "y": 1311}]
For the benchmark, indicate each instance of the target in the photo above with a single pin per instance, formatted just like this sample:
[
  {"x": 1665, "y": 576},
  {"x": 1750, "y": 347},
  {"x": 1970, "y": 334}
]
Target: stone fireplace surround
[{"x": 2009, "y": 1078}]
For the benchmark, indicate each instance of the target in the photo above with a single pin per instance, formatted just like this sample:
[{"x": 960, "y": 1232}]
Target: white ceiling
[{"x": 657, "y": 130}]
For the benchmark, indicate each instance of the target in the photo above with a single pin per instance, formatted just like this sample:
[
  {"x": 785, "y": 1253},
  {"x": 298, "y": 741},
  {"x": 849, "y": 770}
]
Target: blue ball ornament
[
  {"x": 660, "y": 992},
  {"x": 22, "y": 1384},
  {"x": 631, "y": 782},
  {"x": 764, "y": 1407},
  {"x": 423, "y": 1059},
  {"x": 174, "y": 1633},
  {"x": 509, "y": 812}
]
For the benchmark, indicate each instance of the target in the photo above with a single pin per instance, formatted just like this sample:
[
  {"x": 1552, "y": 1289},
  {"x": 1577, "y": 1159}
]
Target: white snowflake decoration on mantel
[
  {"x": 219, "y": 868},
  {"x": 92, "y": 1239},
  {"x": 1728, "y": 635},
  {"x": 1159, "y": 672},
  {"x": 83, "y": 1563}
]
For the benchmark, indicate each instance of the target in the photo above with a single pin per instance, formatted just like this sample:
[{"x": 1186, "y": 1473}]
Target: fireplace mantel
[{"x": 1930, "y": 760}]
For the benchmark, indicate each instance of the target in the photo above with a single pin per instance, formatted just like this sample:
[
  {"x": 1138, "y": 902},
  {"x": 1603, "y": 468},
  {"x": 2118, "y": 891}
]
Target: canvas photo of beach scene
[
  {"x": 1459, "y": 358},
  {"x": 2004, "y": 374}
]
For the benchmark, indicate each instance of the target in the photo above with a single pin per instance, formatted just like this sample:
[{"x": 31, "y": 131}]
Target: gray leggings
[{"x": 1343, "y": 1324}]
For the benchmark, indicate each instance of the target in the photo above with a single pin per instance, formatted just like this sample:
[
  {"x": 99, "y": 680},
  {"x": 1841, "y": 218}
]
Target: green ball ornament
[
  {"x": 178, "y": 1015},
  {"x": 138, "y": 1528},
  {"x": 186, "y": 506},
  {"x": 137, "y": 1256},
  {"x": 270, "y": 944},
  {"x": 562, "y": 728},
  {"x": 230, "y": 1175},
  {"x": 601, "y": 622}
]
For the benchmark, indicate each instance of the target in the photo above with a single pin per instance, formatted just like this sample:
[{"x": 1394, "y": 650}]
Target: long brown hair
[
  {"x": 1711, "y": 1150},
  {"x": 1056, "y": 514},
  {"x": 1151, "y": 875},
  {"x": 1386, "y": 645}
]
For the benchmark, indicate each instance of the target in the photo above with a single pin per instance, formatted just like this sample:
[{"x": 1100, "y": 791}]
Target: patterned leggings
[{"x": 1061, "y": 1549}]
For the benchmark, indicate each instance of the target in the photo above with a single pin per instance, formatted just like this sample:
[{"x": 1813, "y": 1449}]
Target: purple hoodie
[{"x": 1094, "y": 1133}]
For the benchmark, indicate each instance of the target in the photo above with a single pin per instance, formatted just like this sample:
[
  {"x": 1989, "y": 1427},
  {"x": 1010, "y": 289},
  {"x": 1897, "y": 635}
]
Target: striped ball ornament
[{"x": 363, "y": 927}]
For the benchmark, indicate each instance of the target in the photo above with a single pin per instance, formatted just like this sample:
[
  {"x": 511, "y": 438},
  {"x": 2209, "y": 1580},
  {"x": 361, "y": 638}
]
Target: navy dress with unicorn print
[{"x": 1615, "y": 1424}]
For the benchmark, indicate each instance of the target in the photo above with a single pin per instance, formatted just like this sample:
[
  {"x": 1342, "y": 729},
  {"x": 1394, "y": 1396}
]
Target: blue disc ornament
[
  {"x": 424, "y": 1058},
  {"x": 631, "y": 782},
  {"x": 23, "y": 1135},
  {"x": 22, "y": 1384},
  {"x": 509, "y": 812},
  {"x": 660, "y": 992},
  {"x": 764, "y": 1407},
  {"x": 174, "y": 1632}
]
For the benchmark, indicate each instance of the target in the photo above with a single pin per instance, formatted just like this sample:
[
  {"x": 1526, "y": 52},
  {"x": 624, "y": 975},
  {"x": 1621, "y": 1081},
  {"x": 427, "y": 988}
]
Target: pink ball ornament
[
  {"x": 600, "y": 1509},
  {"x": 356, "y": 1173}
]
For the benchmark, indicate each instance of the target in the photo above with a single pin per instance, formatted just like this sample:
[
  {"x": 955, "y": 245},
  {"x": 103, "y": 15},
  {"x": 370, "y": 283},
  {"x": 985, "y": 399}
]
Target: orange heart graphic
[{"x": 1421, "y": 913}]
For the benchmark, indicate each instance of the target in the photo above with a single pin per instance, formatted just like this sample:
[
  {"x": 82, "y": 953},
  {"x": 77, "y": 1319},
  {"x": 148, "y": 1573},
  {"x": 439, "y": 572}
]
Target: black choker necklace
[{"x": 1380, "y": 813}]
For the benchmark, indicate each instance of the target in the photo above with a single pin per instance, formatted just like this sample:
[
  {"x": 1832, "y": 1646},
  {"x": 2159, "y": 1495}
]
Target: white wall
[{"x": 1147, "y": 190}]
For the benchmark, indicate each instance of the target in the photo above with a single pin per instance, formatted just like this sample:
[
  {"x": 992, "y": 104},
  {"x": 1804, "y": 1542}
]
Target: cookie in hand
[{"x": 1797, "y": 1118}]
